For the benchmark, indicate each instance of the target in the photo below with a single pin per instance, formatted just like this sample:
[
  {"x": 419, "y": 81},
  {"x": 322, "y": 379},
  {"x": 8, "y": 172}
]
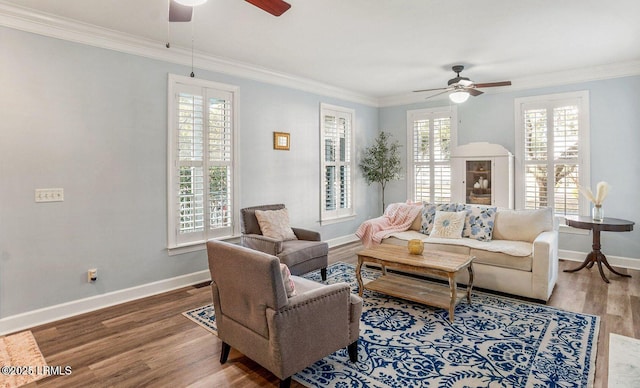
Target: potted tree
[{"x": 381, "y": 163}]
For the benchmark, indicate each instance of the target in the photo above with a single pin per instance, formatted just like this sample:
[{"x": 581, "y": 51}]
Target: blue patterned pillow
[
  {"x": 429, "y": 213},
  {"x": 479, "y": 222}
]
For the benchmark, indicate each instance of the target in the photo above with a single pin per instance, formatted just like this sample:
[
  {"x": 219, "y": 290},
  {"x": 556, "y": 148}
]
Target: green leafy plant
[{"x": 381, "y": 163}]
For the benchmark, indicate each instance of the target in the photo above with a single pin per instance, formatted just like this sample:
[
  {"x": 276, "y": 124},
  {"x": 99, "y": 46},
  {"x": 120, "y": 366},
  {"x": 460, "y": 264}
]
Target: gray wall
[
  {"x": 615, "y": 141},
  {"x": 93, "y": 121}
]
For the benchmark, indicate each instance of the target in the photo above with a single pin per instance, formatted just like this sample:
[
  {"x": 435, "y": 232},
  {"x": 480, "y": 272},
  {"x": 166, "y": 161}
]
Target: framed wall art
[{"x": 281, "y": 141}]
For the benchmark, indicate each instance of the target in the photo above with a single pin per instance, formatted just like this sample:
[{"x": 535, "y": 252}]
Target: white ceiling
[{"x": 385, "y": 48}]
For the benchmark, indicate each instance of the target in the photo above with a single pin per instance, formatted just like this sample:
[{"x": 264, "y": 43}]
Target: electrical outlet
[
  {"x": 49, "y": 195},
  {"x": 92, "y": 275}
]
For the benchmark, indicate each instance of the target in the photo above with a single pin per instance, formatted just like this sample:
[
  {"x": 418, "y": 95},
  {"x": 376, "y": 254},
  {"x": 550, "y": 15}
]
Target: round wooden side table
[{"x": 596, "y": 256}]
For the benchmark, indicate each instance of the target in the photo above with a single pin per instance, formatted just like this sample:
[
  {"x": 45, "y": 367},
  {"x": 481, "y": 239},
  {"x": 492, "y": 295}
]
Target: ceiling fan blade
[
  {"x": 431, "y": 90},
  {"x": 274, "y": 7},
  {"x": 179, "y": 12},
  {"x": 474, "y": 92},
  {"x": 492, "y": 84},
  {"x": 437, "y": 94}
]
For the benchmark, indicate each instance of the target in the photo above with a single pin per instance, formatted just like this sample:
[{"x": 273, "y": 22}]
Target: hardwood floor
[{"x": 149, "y": 343}]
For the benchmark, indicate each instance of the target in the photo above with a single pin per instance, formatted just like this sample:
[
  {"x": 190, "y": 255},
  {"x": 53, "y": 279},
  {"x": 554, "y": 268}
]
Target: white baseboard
[
  {"x": 336, "y": 242},
  {"x": 616, "y": 261},
  {"x": 44, "y": 315}
]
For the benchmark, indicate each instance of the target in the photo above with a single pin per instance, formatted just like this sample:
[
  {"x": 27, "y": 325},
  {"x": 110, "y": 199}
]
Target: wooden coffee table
[{"x": 434, "y": 263}]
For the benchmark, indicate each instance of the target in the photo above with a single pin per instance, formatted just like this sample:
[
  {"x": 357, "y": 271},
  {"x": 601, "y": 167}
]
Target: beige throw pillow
[
  {"x": 522, "y": 225},
  {"x": 275, "y": 224},
  {"x": 448, "y": 224}
]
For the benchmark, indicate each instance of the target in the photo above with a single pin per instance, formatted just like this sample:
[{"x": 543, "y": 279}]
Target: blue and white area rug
[{"x": 494, "y": 342}]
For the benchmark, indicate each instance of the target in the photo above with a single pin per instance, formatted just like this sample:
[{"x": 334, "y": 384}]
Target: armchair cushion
[
  {"x": 305, "y": 252},
  {"x": 275, "y": 224}
]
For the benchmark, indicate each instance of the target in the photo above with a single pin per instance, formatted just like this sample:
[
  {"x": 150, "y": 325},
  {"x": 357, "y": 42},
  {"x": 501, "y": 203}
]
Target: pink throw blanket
[{"x": 397, "y": 218}]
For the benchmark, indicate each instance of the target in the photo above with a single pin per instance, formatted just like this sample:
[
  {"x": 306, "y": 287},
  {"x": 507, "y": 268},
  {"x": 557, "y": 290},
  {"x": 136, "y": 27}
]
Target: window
[
  {"x": 552, "y": 146},
  {"x": 336, "y": 152},
  {"x": 431, "y": 133},
  {"x": 201, "y": 143}
]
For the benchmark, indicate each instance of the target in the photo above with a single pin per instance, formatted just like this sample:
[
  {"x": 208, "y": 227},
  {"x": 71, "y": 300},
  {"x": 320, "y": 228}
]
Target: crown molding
[
  {"x": 534, "y": 81},
  {"x": 24, "y": 19}
]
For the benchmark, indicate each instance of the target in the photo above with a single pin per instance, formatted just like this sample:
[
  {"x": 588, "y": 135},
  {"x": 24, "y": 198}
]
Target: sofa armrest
[
  {"x": 545, "y": 264},
  {"x": 261, "y": 243},
  {"x": 312, "y": 325},
  {"x": 305, "y": 234}
]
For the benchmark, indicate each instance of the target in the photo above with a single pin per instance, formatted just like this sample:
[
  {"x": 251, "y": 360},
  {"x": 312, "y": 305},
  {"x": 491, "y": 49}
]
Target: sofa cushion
[
  {"x": 275, "y": 224},
  {"x": 512, "y": 248},
  {"x": 429, "y": 213},
  {"x": 448, "y": 224},
  {"x": 499, "y": 259},
  {"x": 451, "y": 248},
  {"x": 479, "y": 222},
  {"x": 522, "y": 225},
  {"x": 417, "y": 223}
]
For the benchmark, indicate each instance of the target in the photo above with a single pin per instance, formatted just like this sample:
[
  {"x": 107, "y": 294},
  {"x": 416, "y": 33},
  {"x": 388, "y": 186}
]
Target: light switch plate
[{"x": 50, "y": 195}]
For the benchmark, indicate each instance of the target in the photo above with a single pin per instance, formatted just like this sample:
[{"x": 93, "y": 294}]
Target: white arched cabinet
[{"x": 483, "y": 174}]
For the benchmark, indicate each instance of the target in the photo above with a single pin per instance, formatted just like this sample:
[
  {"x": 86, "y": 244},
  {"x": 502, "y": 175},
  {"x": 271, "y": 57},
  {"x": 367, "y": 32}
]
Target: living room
[{"x": 86, "y": 111}]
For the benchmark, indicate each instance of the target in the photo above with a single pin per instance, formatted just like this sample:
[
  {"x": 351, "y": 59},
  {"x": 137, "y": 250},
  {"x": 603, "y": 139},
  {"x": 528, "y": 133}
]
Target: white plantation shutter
[
  {"x": 552, "y": 144},
  {"x": 431, "y": 133},
  {"x": 201, "y": 149},
  {"x": 337, "y": 161}
]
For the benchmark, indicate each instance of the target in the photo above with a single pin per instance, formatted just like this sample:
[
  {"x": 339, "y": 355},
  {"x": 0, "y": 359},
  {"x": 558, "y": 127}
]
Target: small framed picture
[{"x": 281, "y": 141}]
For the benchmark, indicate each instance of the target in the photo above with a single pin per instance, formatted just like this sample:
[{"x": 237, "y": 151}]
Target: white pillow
[
  {"x": 275, "y": 224},
  {"x": 448, "y": 224}
]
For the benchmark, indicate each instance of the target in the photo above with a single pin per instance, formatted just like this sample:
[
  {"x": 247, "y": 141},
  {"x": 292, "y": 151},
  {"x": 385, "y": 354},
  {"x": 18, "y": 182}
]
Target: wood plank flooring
[{"x": 148, "y": 342}]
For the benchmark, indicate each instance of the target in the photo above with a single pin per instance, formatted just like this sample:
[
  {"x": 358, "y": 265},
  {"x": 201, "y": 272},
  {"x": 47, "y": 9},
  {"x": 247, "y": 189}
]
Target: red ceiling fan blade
[
  {"x": 492, "y": 84},
  {"x": 274, "y": 7},
  {"x": 474, "y": 92},
  {"x": 179, "y": 12}
]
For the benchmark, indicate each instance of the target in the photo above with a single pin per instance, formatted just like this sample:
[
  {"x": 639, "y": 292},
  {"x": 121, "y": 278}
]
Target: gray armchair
[
  {"x": 303, "y": 255},
  {"x": 283, "y": 334}
]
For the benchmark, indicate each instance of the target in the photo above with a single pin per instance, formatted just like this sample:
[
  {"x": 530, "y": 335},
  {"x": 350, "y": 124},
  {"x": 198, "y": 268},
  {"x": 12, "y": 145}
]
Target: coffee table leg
[
  {"x": 470, "y": 285},
  {"x": 454, "y": 296},
  {"x": 359, "y": 276}
]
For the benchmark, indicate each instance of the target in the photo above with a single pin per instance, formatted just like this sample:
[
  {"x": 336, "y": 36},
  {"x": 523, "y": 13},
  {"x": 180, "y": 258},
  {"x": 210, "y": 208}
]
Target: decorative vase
[
  {"x": 597, "y": 213},
  {"x": 485, "y": 184},
  {"x": 416, "y": 247}
]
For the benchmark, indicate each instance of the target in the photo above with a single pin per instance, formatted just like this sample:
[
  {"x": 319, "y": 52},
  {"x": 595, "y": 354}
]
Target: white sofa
[{"x": 520, "y": 259}]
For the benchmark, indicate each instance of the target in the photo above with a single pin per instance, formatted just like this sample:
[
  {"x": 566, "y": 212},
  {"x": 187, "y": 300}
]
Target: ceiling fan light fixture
[
  {"x": 191, "y": 3},
  {"x": 459, "y": 96}
]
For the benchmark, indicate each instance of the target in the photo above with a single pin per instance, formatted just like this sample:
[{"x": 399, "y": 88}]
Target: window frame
[
  {"x": 551, "y": 101},
  {"x": 344, "y": 214},
  {"x": 429, "y": 113},
  {"x": 197, "y": 240}
]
